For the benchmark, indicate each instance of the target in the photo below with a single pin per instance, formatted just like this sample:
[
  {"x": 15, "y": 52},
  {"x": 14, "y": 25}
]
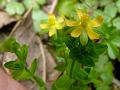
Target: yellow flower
[
  {"x": 53, "y": 25},
  {"x": 86, "y": 24}
]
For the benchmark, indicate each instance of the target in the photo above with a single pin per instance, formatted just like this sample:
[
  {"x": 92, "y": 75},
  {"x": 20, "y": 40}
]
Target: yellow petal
[
  {"x": 52, "y": 32},
  {"x": 76, "y": 33},
  {"x": 80, "y": 13},
  {"x": 71, "y": 23},
  {"x": 97, "y": 22},
  {"x": 43, "y": 26},
  {"x": 92, "y": 35},
  {"x": 51, "y": 19}
]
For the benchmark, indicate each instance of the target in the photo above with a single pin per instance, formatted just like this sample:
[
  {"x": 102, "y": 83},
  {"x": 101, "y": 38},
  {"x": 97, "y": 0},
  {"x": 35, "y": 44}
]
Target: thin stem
[
  {"x": 37, "y": 79},
  {"x": 72, "y": 67}
]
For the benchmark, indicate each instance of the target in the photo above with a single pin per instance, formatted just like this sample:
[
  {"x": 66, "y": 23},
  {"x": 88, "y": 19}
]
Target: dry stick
[
  {"x": 53, "y": 6},
  {"x": 18, "y": 23},
  {"x": 43, "y": 58},
  {"x": 41, "y": 45},
  {"x": 116, "y": 82}
]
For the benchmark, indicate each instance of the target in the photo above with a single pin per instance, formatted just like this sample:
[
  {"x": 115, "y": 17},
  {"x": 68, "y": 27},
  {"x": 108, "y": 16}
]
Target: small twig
[
  {"x": 18, "y": 23},
  {"x": 54, "y": 3},
  {"x": 116, "y": 82},
  {"x": 43, "y": 58}
]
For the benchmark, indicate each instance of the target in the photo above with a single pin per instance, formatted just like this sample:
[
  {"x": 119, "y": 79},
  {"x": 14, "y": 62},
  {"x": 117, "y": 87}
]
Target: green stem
[
  {"x": 72, "y": 67},
  {"x": 37, "y": 79}
]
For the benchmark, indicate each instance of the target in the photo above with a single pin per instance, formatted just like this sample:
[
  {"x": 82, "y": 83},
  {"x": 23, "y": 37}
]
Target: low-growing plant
[
  {"x": 85, "y": 47},
  {"x": 18, "y": 68}
]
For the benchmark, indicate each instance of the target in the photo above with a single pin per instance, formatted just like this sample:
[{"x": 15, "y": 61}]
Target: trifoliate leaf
[
  {"x": 110, "y": 10},
  {"x": 38, "y": 15},
  {"x": 15, "y": 8},
  {"x": 116, "y": 23},
  {"x": 112, "y": 51}
]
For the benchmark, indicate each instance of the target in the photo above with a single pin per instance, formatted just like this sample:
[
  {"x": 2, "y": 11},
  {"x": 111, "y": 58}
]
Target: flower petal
[
  {"x": 76, "y": 33},
  {"x": 71, "y": 23},
  {"x": 97, "y": 22},
  {"x": 52, "y": 32},
  {"x": 43, "y": 26},
  {"x": 80, "y": 13},
  {"x": 92, "y": 35},
  {"x": 51, "y": 19}
]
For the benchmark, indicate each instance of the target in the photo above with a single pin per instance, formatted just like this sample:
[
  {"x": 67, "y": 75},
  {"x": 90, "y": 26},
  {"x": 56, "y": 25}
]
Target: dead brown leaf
[{"x": 5, "y": 19}]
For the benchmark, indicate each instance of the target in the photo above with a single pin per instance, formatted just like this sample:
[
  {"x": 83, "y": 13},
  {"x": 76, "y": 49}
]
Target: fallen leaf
[{"x": 5, "y": 19}]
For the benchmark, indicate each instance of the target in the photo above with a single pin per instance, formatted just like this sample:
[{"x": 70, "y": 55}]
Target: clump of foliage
[
  {"x": 19, "y": 68},
  {"x": 84, "y": 46}
]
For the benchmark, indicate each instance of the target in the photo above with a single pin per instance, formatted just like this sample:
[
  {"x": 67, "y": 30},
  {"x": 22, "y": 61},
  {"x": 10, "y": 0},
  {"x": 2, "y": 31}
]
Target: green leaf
[
  {"x": 105, "y": 2},
  {"x": 11, "y": 45},
  {"x": 31, "y": 4},
  {"x": 90, "y": 3},
  {"x": 40, "y": 82},
  {"x": 112, "y": 51},
  {"x": 77, "y": 73},
  {"x": 116, "y": 41},
  {"x": 116, "y": 23},
  {"x": 110, "y": 10},
  {"x": 16, "y": 74},
  {"x": 22, "y": 52},
  {"x": 66, "y": 7},
  {"x": 103, "y": 59},
  {"x": 107, "y": 74},
  {"x": 102, "y": 87},
  {"x": 118, "y": 5},
  {"x": 25, "y": 75},
  {"x": 33, "y": 66},
  {"x": 38, "y": 16},
  {"x": 14, "y": 65},
  {"x": 41, "y": 2},
  {"x": 63, "y": 83},
  {"x": 15, "y": 8},
  {"x": 83, "y": 54},
  {"x": 27, "y": 3},
  {"x": 21, "y": 75},
  {"x": 83, "y": 38},
  {"x": 60, "y": 67}
]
